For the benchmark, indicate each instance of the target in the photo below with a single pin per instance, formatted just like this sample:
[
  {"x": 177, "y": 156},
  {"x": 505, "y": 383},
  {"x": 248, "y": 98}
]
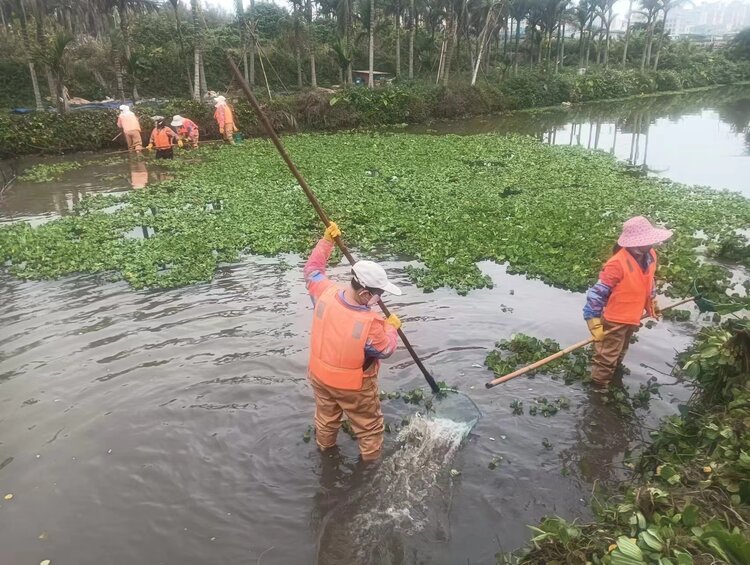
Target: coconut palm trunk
[
  {"x": 627, "y": 34},
  {"x": 661, "y": 37},
  {"x": 311, "y": 45},
  {"x": 370, "y": 76},
  {"x": 125, "y": 29},
  {"x": 27, "y": 56},
  {"x": 197, "y": 51},
  {"x": 412, "y": 32},
  {"x": 398, "y": 38}
]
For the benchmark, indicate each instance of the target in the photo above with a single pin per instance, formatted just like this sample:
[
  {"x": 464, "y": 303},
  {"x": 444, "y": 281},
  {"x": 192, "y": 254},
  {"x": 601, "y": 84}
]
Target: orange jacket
[
  {"x": 162, "y": 138},
  {"x": 223, "y": 115},
  {"x": 128, "y": 122},
  {"x": 632, "y": 295},
  {"x": 337, "y": 342}
]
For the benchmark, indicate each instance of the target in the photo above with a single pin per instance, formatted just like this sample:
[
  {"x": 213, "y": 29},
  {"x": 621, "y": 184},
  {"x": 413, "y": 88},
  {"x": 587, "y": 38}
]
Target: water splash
[{"x": 401, "y": 498}]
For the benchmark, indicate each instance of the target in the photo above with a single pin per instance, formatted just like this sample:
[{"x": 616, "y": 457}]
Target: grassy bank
[
  {"x": 399, "y": 103},
  {"x": 551, "y": 212},
  {"x": 690, "y": 500}
]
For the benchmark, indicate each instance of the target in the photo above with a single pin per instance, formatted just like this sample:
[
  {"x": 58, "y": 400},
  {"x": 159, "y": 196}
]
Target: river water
[{"x": 168, "y": 427}]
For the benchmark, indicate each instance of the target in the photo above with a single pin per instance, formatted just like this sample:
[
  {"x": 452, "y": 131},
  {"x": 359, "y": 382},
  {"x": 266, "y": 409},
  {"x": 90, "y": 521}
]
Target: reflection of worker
[
  {"x": 615, "y": 304},
  {"x": 348, "y": 339},
  {"x": 225, "y": 119},
  {"x": 138, "y": 173},
  {"x": 162, "y": 138},
  {"x": 131, "y": 129},
  {"x": 187, "y": 130}
]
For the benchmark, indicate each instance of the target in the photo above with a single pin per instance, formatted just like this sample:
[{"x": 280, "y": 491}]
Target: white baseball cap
[
  {"x": 372, "y": 275},
  {"x": 177, "y": 121}
]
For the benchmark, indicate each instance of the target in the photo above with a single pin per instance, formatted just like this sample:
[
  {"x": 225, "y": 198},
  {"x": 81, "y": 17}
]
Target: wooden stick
[
  {"x": 537, "y": 364},
  {"x": 318, "y": 208}
]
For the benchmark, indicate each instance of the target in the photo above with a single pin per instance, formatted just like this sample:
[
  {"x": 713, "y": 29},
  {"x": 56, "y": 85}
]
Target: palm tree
[
  {"x": 519, "y": 9},
  {"x": 175, "y": 6},
  {"x": 54, "y": 56},
  {"x": 251, "y": 48},
  {"x": 311, "y": 44},
  {"x": 651, "y": 9},
  {"x": 20, "y": 10},
  {"x": 666, "y": 7},
  {"x": 607, "y": 16},
  {"x": 412, "y": 33},
  {"x": 582, "y": 14},
  {"x": 627, "y": 34},
  {"x": 345, "y": 29},
  {"x": 371, "y": 58},
  {"x": 197, "y": 51},
  {"x": 239, "y": 10}
]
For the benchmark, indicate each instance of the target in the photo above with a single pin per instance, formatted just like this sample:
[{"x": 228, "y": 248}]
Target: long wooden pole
[
  {"x": 316, "y": 204},
  {"x": 537, "y": 364}
]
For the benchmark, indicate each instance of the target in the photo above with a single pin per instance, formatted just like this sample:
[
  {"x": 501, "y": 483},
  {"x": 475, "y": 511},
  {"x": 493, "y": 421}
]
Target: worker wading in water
[
  {"x": 127, "y": 121},
  {"x": 163, "y": 138},
  {"x": 187, "y": 130},
  {"x": 625, "y": 289},
  {"x": 225, "y": 119},
  {"x": 348, "y": 339}
]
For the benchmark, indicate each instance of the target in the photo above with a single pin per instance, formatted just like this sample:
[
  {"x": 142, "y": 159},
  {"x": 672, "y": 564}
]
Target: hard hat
[{"x": 177, "y": 121}]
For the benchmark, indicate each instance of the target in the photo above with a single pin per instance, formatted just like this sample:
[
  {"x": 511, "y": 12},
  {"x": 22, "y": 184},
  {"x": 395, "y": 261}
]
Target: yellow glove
[
  {"x": 150, "y": 146},
  {"x": 179, "y": 143},
  {"x": 332, "y": 232},
  {"x": 596, "y": 328},
  {"x": 393, "y": 320},
  {"x": 655, "y": 310}
]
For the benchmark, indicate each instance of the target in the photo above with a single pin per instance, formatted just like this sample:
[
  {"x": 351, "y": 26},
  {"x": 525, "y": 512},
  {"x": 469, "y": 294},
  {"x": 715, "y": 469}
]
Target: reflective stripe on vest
[
  {"x": 337, "y": 342},
  {"x": 632, "y": 294},
  {"x": 161, "y": 139}
]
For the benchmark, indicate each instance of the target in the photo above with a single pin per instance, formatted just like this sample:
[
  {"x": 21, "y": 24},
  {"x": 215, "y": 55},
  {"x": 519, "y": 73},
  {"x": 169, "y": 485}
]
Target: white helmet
[
  {"x": 177, "y": 121},
  {"x": 124, "y": 108},
  {"x": 372, "y": 275},
  {"x": 219, "y": 99}
]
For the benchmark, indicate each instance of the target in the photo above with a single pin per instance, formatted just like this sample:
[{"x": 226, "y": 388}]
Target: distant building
[{"x": 711, "y": 19}]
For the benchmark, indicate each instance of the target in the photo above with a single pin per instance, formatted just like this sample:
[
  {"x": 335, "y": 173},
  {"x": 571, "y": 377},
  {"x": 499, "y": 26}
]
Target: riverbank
[
  {"x": 690, "y": 500},
  {"x": 91, "y": 130}
]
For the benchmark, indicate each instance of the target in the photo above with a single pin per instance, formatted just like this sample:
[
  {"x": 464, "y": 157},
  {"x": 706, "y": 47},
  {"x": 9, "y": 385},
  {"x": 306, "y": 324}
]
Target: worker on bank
[
  {"x": 625, "y": 289},
  {"x": 187, "y": 130},
  {"x": 163, "y": 138},
  {"x": 127, "y": 121},
  {"x": 225, "y": 119},
  {"x": 348, "y": 340}
]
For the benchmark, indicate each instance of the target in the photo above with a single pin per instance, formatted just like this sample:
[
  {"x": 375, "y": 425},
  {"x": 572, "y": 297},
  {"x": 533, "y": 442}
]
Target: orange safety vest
[
  {"x": 337, "y": 342},
  {"x": 129, "y": 122},
  {"x": 632, "y": 294},
  {"x": 228, "y": 116},
  {"x": 162, "y": 139}
]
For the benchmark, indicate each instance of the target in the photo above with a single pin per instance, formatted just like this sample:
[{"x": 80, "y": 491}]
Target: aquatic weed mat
[{"x": 550, "y": 212}]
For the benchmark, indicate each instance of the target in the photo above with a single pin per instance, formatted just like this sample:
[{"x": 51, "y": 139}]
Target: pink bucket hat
[{"x": 638, "y": 232}]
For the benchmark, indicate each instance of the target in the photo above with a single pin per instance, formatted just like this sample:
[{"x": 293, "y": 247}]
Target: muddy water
[
  {"x": 695, "y": 138},
  {"x": 98, "y": 174},
  {"x": 167, "y": 427}
]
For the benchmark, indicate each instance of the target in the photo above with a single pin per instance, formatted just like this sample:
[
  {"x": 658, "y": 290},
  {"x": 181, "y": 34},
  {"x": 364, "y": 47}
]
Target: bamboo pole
[{"x": 537, "y": 364}]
